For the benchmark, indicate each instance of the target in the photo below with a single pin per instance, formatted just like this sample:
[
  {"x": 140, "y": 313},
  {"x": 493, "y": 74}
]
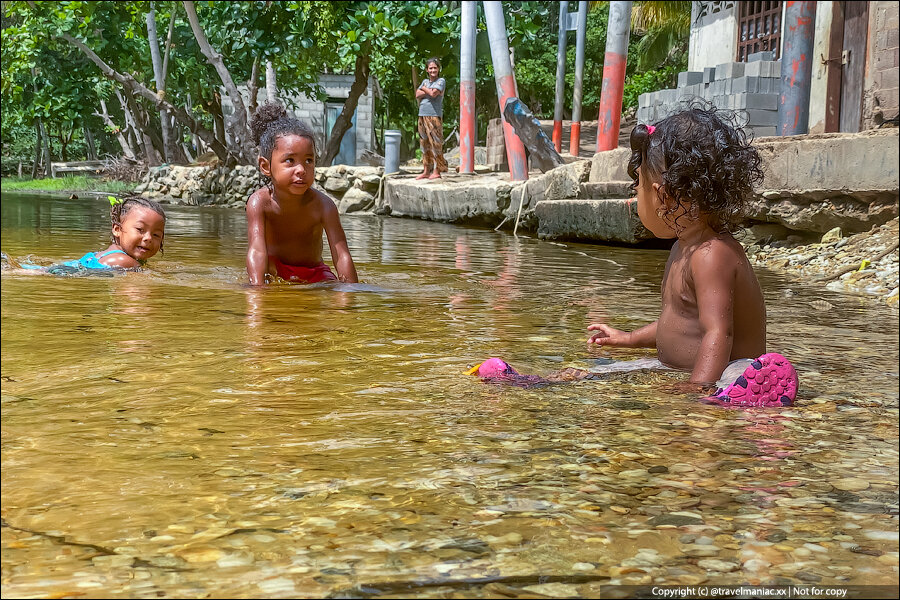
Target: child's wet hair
[
  {"x": 702, "y": 160},
  {"x": 119, "y": 210},
  {"x": 270, "y": 122}
]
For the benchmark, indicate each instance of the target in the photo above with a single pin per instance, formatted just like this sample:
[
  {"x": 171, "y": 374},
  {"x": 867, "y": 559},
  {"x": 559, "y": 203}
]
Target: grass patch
[{"x": 75, "y": 183}]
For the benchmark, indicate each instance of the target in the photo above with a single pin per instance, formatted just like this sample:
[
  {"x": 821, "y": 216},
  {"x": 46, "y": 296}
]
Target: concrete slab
[
  {"x": 474, "y": 200},
  {"x": 614, "y": 220}
]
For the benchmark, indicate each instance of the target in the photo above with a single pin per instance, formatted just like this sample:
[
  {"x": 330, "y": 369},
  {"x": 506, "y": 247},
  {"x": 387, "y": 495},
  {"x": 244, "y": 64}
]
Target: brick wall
[{"x": 882, "y": 95}]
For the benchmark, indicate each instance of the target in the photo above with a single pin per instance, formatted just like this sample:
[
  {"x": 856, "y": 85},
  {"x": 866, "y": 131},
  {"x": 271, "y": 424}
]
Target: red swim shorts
[{"x": 302, "y": 274}]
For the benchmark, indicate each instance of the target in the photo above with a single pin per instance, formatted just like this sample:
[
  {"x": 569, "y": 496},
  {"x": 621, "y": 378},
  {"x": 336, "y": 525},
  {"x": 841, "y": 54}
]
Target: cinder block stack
[
  {"x": 751, "y": 89},
  {"x": 496, "y": 146}
]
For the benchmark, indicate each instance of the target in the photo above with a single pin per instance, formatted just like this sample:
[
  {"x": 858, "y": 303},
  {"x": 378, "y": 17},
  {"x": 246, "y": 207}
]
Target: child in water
[
  {"x": 138, "y": 229},
  {"x": 693, "y": 173},
  {"x": 285, "y": 220}
]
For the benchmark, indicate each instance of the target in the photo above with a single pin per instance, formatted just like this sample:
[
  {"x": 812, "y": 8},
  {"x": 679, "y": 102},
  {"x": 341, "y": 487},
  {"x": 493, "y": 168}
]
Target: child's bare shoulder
[
  {"x": 721, "y": 252},
  {"x": 259, "y": 200},
  {"x": 325, "y": 202}
]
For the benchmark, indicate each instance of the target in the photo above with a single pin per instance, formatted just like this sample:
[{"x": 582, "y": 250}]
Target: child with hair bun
[{"x": 286, "y": 219}]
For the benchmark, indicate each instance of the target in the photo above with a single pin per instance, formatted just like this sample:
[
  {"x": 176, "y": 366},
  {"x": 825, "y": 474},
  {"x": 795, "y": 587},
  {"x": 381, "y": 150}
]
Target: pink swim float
[
  {"x": 770, "y": 380},
  {"x": 498, "y": 370}
]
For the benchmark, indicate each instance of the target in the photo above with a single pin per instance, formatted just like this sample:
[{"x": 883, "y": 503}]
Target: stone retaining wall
[{"x": 352, "y": 188}]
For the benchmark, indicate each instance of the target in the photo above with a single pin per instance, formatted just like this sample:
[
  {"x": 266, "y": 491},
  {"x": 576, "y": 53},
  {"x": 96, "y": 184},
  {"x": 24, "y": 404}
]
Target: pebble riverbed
[{"x": 864, "y": 263}]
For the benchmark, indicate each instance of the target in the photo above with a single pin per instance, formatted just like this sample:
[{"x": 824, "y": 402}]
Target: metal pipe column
[
  {"x": 575, "y": 133},
  {"x": 467, "y": 89},
  {"x": 796, "y": 67},
  {"x": 506, "y": 87},
  {"x": 613, "y": 89},
  {"x": 560, "y": 75}
]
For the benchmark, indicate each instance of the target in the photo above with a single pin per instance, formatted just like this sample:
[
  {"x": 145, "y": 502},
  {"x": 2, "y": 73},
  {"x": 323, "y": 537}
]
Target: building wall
[
  {"x": 882, "y": 92},
  {"x": 312, "y": 111},
  {"x": 713, "y": 34}
]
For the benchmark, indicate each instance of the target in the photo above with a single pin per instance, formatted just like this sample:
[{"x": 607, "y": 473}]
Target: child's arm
[
  {"x": 119, "y": 260},
  {"x": 645, "y": 337},
  {"x": 714, "y": 271},
  {"x": 257, "y": 257},
  {"x": 337, "y": 241}
]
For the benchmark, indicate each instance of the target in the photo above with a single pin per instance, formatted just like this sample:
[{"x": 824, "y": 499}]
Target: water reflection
[{"x": 176, "y": 432}]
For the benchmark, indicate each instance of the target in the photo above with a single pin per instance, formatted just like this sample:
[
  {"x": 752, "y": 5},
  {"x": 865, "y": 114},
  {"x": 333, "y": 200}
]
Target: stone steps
[{"x": 596, "y": 220}]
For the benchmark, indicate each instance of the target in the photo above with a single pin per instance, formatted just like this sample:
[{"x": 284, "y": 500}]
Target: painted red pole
[
  {"x": 580, "y": 35},
  {"x": 560, "y": 75},
  {"x": 467, "y": 89},
  {"x": 506, "y": 87},
  {"x": 614, "y": 61},
  {"x": 796, "y": 67}
]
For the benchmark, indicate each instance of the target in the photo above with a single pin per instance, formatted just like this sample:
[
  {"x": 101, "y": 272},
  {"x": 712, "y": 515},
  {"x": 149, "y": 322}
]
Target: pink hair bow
[{"x": 650, "y": 129}]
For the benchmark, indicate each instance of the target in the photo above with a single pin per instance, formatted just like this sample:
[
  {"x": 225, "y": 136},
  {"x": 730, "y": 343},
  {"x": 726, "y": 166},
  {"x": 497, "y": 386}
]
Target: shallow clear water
[{"x": 176, "y": 433}]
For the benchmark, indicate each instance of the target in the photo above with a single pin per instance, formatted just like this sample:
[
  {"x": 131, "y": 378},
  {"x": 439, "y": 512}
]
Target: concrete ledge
[
  {"x": 591, "y": 220},
  {"x": 838, "y": 162},
  {"x": 473, "y": 200},
  {"x": 812, "y": 182}
]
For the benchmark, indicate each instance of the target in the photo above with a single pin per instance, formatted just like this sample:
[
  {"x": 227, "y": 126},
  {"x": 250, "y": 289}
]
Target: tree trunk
[
  {"x": 45, "y": 141},
  {"x": 135, "y": 87},
  {"x": 344, "y": 120},
  {"x": 89, "y": 142},
  {"x": 240, "y": 132},
  {"x": 148, "y": 126},
  {"x": 214, "y": 107},
  {"x": 194, "y": 139},
  {"x": 253, "y": 86},
  {"x": 37, "y": 149},
  {"x": 158, "y": 77},
  {"x": 130, "y": 108},
  {"x": 271, "y": 83},
  {"x": 64, "y": 141},
  {"x": 127, "y": 150}
]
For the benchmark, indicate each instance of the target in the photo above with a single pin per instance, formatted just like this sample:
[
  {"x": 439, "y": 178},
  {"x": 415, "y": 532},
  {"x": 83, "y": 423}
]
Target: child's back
[{"x": 680, "y": 331}]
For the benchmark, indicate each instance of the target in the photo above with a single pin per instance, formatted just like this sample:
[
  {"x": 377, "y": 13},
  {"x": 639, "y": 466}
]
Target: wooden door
[{"x": 853, "y": 60}]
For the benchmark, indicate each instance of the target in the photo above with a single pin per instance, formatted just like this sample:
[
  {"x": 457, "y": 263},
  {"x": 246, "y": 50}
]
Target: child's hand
[{"x": 608, "y": 336}]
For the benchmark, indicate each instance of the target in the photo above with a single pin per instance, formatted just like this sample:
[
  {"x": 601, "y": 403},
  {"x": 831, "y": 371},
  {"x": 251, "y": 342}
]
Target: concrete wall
[
  {"x": 713, "y": 35},
  {"x": 812, "y": 182},
  {"x": 882, "y": 92}
]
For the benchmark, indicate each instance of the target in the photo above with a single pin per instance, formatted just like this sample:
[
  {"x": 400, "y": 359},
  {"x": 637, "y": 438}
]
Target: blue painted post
[{"x": 796, "y": 67}]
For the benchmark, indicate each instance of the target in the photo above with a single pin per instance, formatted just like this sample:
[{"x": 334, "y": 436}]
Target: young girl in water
[
  {"x": 285, "y": 220},
  {"x": 693, "y": 173},
  {"x": 138, "y": 229}
]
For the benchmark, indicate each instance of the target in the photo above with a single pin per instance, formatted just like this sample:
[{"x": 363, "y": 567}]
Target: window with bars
[{"x": 759, "y": 28}]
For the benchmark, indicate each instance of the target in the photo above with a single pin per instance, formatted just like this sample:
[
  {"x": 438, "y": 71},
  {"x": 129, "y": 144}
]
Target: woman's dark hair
[
  {"x": 435, "y": 60},
  {"x": 702, "y": 160},
  {"x": 119, "y": 210}
]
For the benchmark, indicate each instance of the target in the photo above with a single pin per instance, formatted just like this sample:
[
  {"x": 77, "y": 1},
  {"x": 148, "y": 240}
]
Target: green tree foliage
[{"x": 61, "y": 58}]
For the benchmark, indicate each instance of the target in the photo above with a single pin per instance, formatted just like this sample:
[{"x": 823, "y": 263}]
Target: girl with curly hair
[{"x": 693, "y": 173}]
